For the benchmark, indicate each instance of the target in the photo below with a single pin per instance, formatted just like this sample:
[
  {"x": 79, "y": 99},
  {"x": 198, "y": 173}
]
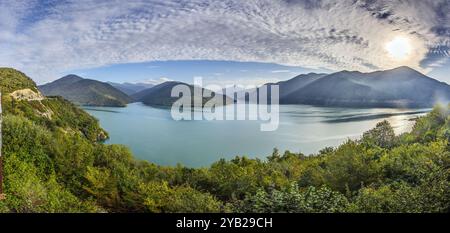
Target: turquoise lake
[{"x": 153, "y": 135}]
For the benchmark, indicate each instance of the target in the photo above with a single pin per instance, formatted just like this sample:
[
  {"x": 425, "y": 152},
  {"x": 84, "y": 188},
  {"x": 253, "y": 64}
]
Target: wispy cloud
[
  {"x": 47, "y": 38},
  {"x": 280, "y": 71},
  {"x": 155, "y": 81}
]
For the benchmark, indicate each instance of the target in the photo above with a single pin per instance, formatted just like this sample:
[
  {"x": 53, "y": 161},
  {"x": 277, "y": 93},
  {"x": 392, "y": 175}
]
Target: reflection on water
[
  {"x": 153, "y": 135},
  {"x": 363, "y": 117}
]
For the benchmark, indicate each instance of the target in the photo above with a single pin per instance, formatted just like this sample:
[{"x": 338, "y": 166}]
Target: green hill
[
  {"x": 54, "y": 161},
  {"x": 53, "y": 112},
  {"x": 160, "y": 95},
  {"x": 12, "y": 80},
  {"x": 86, "y": 92}
]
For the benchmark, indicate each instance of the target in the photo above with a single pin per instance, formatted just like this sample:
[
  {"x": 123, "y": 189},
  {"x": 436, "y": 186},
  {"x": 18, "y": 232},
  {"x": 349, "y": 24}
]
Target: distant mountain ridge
[
  {"x": 131, "y": 88},
  {"x": 86, "y": 92},
  {"x": 399, "y": 87},
  {"x": 160, "y": 95},
  {"x": 289, "y": 86}
]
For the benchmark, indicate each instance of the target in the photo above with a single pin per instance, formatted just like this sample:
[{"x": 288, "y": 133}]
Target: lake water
[{"x": 153, "y": 135}]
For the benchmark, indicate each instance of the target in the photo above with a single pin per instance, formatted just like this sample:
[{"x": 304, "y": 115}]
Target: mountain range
[
  {"x": 86, "y": 92},
  {"x": 95, "y": 93},
  {"x": 160, "y": 95},
  {"x": 399, "y": 87},
  {"x": 131, "y": 88}
]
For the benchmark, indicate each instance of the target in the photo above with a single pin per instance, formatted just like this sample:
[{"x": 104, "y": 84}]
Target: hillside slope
[
  {"x": 20, "y": 96},
  {"x": 86, "y": 92},
  {"x": 400, "y": 87},
  {"x": 130, "y": 88},
  {"x": 160, "y": 95},
  {"x": 54, "y": 161}
]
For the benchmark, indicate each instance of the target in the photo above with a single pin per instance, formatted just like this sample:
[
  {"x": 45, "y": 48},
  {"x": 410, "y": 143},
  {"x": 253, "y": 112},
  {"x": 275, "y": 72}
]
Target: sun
[{"x": 399, "y": 48}]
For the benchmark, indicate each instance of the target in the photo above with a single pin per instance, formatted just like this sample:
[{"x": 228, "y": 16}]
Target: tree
[
  {"x": 382, "y": 135},
  {"x": 294, "y": 200}
]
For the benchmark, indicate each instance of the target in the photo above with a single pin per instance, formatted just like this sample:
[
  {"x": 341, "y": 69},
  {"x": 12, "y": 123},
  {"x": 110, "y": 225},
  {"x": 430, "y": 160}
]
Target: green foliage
[
  {"x": 382, "y": 135},
  {"x": 27, "y": 191},
  {"x": 431, "y": 195},
  {"x": 351, "y": 166},
  {"x": 292, "y": 200},
  {"x": 69, "y": 117},
  {"x": 412, "y": 162},
  {"x": 28, "y": 142},
  {"x": 159, "y": 197},
  {"x": 12, "y": 80},
  {"x": 86, "y": 92},
  {"x": 102, "y": 185},
  {"x": 54, "y": 169},
  {"x": 57, "y": 163},
  {"x": 426, "y": 128}
]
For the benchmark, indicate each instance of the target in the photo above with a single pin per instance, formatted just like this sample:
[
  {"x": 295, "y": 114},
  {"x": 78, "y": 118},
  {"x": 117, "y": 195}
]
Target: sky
[{"x": 157, "y": 40}]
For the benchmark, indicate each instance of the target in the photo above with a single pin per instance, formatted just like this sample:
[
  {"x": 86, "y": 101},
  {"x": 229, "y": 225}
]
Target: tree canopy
[{"x": 57, "y": 163}]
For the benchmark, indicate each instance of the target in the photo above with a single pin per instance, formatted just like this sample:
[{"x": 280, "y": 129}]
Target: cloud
[
  {"x": 156, "y": 81},
  {"x": 47, "y": 38},
  {"x": 280, "y": 71}
]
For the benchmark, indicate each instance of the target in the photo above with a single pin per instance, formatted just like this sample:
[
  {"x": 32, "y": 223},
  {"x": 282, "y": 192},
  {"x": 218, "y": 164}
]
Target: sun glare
[{"x": 399, "y": 48}]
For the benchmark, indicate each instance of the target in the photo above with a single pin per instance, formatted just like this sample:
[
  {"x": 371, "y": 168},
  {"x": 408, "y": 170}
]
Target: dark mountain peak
[
  {"x": 352, "y": 72},
  {"x": 398, "y": 70},
  {"x": 399, "y": 87},
  {"x": 160, "y": 95},
  {"x": 170, "y": 83},
  {"x": 311, "y": 74},
  {"x": 139, "y": 96},
  {"x": 404, "y": 68},
  {"x": 85, "y": 91},
  {"x": 66, "y": 80},
  {"x": 130, "y": 88},
  {"x": 92, "y": 81},
  {"x": 402, "y": 73},
  {"x": 72, "y": 77}
]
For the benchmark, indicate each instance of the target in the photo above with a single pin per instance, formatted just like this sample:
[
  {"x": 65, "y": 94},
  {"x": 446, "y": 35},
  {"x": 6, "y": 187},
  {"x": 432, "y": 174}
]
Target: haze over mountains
[
  {"x": 161, "y": 95},
  {"x": 95, "y": 93},
  {"x": 400, "y": 87},
  {"x": 131, "y": 88}
]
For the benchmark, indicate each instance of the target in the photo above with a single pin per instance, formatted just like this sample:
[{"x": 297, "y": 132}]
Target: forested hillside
[
  {"x": 86, "y": 92},
  {"x": 54, "y": 161},
  {"x": 161, "y": 95}
]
